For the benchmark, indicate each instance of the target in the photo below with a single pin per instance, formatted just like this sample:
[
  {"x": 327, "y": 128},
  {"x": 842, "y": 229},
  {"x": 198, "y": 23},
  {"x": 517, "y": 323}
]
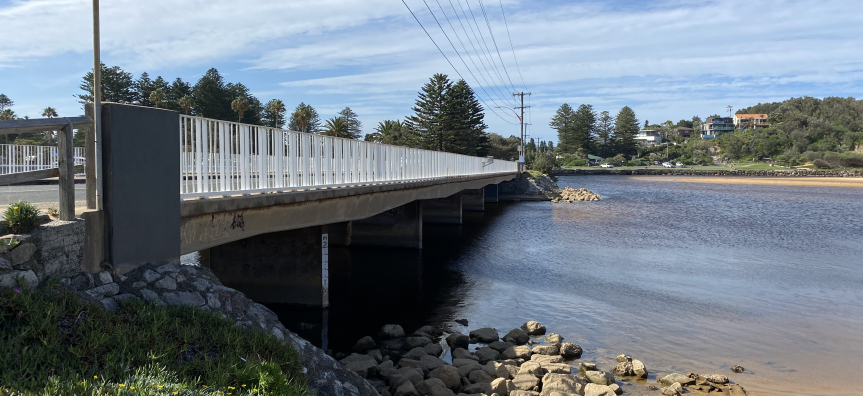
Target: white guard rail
[
  {"x": 16, "y": 158},
  {"x": 219, "y": 158}
]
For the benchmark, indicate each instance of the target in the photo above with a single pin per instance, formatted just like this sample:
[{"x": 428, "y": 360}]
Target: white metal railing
[
  {"x": 227, "y": 158},
  {"x": 15, "y": 158}
]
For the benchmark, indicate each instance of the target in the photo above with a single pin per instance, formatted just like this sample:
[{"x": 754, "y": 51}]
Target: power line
[
  {"x": 484, "y": 42},
  {"x": 492, "y": 87},
  {"x": 459, "y": 55},
  {"x": 511, "y": 46},
  {"x": 481, "y": 6},
  {"x": 444, "y": 55}
]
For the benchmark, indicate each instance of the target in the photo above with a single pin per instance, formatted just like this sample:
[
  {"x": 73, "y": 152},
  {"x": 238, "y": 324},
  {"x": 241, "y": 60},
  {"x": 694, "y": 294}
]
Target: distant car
[
  {"x": 655, "y": 162},
  {"x": 668, "y": 164},
  {"x": 703, "y": 164},
  {"x": 607, "y": 166},
  {"x": 679, "y": 165}
]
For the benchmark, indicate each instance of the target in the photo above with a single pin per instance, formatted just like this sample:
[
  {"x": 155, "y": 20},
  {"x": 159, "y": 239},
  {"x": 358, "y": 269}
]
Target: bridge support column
[
  {"x": 491, "y": 193},
  {"x": 280, "y": 267},
  {"x": 401, "y": 227},
  {"x": 141, "y": 196},
  {"x": 473, "y": 200},
  {"x": 443, "y": 210}
]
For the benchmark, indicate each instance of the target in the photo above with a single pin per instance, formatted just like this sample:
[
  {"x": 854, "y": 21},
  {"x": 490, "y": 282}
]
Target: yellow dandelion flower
[
  {"x": 95, "y": 376},
  {"x": 131, "y": 387},
  {"x": 244, "y": 385},
  {"x": 231, "y": 387},
  {"x": 121, "y": 385},
  {"x": 160, "y": 386},
  {"x": 16, "y": 208}
]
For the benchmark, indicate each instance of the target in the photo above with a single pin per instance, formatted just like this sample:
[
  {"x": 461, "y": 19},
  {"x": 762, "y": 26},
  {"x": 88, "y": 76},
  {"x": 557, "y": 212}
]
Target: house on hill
[{"x": 750, "y": 121}]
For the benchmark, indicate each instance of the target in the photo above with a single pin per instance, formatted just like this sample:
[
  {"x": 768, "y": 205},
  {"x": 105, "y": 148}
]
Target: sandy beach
[{"x": 757, "y": 180}]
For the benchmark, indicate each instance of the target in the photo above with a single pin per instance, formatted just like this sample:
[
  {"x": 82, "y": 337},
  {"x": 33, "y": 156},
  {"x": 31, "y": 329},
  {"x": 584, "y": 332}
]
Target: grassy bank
[{"x": 54, "y": 342}]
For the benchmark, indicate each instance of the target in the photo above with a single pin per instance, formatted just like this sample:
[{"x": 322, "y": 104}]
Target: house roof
[
  {"x": 690, "y": 129},
  {"x": 750, "y": 115}
]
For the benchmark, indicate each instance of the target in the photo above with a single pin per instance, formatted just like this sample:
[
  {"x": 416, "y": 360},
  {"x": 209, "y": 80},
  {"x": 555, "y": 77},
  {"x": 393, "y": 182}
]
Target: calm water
[{"x": 684, "y": 276}]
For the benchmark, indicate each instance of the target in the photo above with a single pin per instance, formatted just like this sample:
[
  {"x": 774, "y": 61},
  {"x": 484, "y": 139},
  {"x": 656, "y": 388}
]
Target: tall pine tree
[
  {"x": 625, "y": 129},
  {"x": 583, "y": 129},
  {"x": 562, "y": 123},
  {"x": 211, "y": 98},
  {"x": 428, "y": 122},
  {"x": 355, "y": 127},
  {"x": 463, "y": 119},
  {"x": 604, "y": 142}
]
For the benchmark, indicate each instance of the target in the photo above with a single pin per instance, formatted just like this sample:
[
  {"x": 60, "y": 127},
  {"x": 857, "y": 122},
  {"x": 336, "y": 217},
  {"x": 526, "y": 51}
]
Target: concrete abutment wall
[
  {"x": 443, "y": 210},
  {"x": 473, "y": 200}
]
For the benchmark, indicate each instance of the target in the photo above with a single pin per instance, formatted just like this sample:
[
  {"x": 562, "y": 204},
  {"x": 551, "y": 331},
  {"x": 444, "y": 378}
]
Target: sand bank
[{"x": 753, "y": 180}]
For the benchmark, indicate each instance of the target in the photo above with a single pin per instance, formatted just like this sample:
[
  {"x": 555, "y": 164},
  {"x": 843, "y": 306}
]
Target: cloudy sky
[{"x": 671, "y": 59}]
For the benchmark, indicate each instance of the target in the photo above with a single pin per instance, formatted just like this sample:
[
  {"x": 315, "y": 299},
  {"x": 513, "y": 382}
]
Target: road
[{"x": 49, "y": 193}]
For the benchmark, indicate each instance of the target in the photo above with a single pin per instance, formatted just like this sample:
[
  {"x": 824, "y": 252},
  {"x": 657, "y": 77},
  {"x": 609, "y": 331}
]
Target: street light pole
[{"x": 97, "y": 104}]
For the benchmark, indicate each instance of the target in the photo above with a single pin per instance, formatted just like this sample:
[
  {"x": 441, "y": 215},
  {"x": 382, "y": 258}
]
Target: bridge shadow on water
[{"x": 370, "y": 287}]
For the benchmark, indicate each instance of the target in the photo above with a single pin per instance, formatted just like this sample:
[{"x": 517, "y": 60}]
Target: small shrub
[
  {"x": 821, "y": 164},
  {"x": 22, "y": 217},
  {"x": 544, "y": 163},
  {"x": 576, "y": 162},
  {"x": 53, "y": 212}
]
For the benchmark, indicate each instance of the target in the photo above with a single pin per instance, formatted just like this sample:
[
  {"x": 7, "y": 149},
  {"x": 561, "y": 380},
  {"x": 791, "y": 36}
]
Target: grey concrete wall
[
  {"x": 280, "y": 267},
  {"x": 443, "y": 210},
  {"x": 491, "y": 193},
  {"x": 473, "y": 200},
  {"x": 141, "y": 166},
  {"x": 401, "y": 227}
]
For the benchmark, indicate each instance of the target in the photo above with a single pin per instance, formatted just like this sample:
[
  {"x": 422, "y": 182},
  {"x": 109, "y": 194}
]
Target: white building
[{"x": 648, "y": 137}]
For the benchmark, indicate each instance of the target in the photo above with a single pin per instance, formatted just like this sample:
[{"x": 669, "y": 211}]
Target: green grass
[{"x": 53, "y": 342}]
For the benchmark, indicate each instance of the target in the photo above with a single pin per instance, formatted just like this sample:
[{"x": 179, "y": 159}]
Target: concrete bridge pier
[
  {"x": 401, "y": 227},
  {"x": 279, "y": 267},
  {"x": 443, "y": 210},
  {"x": 491, "y": 193},
  {"x": 473, "y": 200}
]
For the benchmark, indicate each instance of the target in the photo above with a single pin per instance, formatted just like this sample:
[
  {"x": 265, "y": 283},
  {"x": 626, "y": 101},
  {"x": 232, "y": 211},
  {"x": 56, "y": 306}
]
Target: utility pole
[{"x": 521, "y": 120}]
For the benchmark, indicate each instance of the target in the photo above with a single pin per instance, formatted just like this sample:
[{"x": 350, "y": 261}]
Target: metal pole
[{"x": 97, "y": 103}]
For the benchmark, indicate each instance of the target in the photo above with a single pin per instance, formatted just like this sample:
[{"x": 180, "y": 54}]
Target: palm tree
[
  {"x": 49, "y": 112},
  {"x": 7, "y": 114},
  {"x": 278, "y": 108},
  {"x": 186, "y": 103},
  {"x": 388, "y": 132},
  {"x": 157, "y": 96},
  {"x": 338, "y": 127},
  {"x": 303, "y": 114},
  {"x": 240, "y": 105}
]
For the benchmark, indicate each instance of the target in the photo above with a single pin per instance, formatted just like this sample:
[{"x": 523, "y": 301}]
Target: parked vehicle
[
  {"x": 668, "y": 164},
  {"x": 679, "y": 165},
  {"x": 655, "y": 162},
  {"x": 607, "y": 166}
]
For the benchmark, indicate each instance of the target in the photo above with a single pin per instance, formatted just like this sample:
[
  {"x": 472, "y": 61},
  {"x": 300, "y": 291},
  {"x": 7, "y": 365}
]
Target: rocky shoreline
[
  {"x": 697, "y": 172},
  {"x": 525, "y": 361}
]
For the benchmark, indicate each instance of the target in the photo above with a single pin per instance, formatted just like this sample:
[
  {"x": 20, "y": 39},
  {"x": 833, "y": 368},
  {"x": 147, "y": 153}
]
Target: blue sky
[{"x": 665, "y": 59}]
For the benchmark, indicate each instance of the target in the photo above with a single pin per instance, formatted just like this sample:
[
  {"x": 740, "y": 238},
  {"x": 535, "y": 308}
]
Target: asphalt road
[{"x": 37, "y": 193}]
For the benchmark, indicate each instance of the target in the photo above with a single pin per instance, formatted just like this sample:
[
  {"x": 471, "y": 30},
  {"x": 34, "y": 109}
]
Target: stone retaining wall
[
  {"x": 697, "y": 172},
  {"x": 53, "y": 249}
]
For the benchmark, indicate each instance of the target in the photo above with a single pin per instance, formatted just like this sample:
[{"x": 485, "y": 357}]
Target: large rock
[
  {"x": 478, "y": 376},
  {"x": 498, "y": 386},
  {"x": 674, "y": 389},
  {"x": 554, "y": 339},
  {"x": 414, "y": 364},
  {"x": 464, "y": 371},
  {"x": 23, "y": 252},
  {"x": 406, "y": 389},
  {"x": 363, "y": 368},
  {"x": 433, "y": 349},
  {"x": 390, "y": 331},
  {"x": 546, "y": 350},
  {"x": 533, "y": 328},
  {"x": 533, "y": 368},
  {"x": 405, "y": 374},
  {"x": 448, "y": 374},
  {"x": 458, "y": 340},
  {"x": 481, "y": 387},
  {"x": 638, "y": 369},
  {"x": 485, "y": 335},
  {"x": 431, "y": 362},
  {"x": 562, "y": 383},
  {"x": 599, "y": 377},
  {"x": 585, "y": 367},
  {"x": 570, "y": 351},
  {"x": 364, "y": 345},
  {"x": 718, "y": 379},
  {"x": 424, "y": 387},
  {"x": 356, "y": 357},
  {"x": 500, "y": 346},
  {"x": 192, "y": 299},
  {"x": 676, "y": 377},
  {"x": 486, "y": 354},
  {"x": 543, "y": 359},
  {"x": 463, "y": 353},
  {"x": 463, "y": 362},
  {"x": 517, "y": 352},
  {"x": 598, "y": 390},
  {"x": 556, "y": 368},
  {"x": 414, "y": 342},
  {"x": 526, "y": 381},
  {"x": 517, "y": 337},
  {"x": 519, "y": 392},
  {"x": 497, "y": 370},
  {"x": 416, "y": 353}
]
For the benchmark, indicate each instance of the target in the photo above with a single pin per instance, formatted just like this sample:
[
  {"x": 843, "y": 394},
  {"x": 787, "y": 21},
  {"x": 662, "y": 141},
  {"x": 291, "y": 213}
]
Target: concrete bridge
[{"x": 262, "y": 204}]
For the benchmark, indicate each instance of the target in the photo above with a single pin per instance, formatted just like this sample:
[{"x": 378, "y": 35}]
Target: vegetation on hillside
[{"x": 55, "y": 343}]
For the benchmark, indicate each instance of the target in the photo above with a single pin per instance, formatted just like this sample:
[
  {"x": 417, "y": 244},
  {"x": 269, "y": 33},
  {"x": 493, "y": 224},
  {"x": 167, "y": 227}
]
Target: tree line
[{"x": 583, "y": 131}]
